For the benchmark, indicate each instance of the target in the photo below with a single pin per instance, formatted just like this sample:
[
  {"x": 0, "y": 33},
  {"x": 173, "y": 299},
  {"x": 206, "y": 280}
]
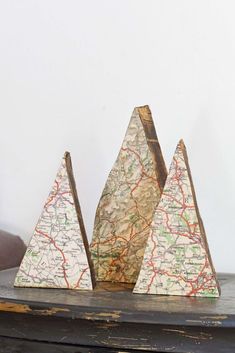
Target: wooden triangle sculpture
[
  {"x": 177, "y": 260},
  {"x": 58, "y": 255},
  {"x": 125, "y": 210}
]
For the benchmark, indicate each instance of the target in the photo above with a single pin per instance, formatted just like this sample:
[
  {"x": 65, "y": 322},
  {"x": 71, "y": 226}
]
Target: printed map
[
  {"x": 125, "y": 210},
  {"x": 177, "y": 259},
  {"x": 56, "y": 256}
]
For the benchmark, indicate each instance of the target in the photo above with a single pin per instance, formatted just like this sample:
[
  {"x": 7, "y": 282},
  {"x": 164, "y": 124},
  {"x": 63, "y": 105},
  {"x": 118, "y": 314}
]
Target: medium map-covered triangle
[
  {"x": 125, "y": 210},
  {"x": 177, "y": 260},
  {"x": 58, "y": 255}
]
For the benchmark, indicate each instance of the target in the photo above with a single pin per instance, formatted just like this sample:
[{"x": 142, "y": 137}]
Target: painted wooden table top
[
  {"x": 112, "y": 316},
  {"x": 117, "y": 302}
]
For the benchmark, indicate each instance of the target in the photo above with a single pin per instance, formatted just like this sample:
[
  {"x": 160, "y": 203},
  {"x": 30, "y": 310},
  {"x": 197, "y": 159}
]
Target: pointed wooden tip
[
  {"x": 145, "y": 113},
  {"x": 143, "y": 110},
  {"x": 68, "y": 161},
  {"x": 66, "y": 154},
  {"x": 181, "y": 144},
  {"x": 143, "y": 107}
]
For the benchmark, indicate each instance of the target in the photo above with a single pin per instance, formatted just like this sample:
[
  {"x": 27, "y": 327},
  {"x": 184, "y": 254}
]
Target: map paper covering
[
  {"x": 177, "y": 259},
  {"x": 56, "y": 256},
  {"x": 125, "y": 210}
]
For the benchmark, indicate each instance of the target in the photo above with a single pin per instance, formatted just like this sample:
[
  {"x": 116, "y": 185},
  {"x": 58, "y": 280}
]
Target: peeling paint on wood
[
  {"x": 105, "y": 316},
  {"x": 201, "y": 336},
  {"x": 117, "y": 321},
  {"x": 21, "y": 308},
  {"x": 218, "y": 317}
]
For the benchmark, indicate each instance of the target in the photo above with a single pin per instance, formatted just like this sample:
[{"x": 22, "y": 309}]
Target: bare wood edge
[
  {"x": 72, "y": 183},
  {"x": 153, "y": 144},
  {"x": 201, "y": 225}
]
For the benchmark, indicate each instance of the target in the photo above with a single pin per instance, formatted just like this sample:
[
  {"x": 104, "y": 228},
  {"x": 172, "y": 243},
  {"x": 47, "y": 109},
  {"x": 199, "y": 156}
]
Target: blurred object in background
[{"x": 12, "y": 250}]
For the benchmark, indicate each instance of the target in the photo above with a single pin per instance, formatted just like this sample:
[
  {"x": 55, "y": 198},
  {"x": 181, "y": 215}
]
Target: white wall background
[{"x": 71, "y": 73}]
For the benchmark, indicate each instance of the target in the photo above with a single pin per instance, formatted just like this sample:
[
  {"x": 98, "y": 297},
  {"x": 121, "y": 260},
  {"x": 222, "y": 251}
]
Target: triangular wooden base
[
  {"x": 58, "y": 255},
  {"x": 177, "y": 260},
  {"x": 125, "y": 210}
]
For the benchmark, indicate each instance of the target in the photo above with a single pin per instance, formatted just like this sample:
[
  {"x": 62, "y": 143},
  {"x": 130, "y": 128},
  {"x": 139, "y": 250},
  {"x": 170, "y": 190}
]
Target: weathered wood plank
[
  {"x": 115, "y": 321},
  {"x": 122, "y": 336},
  {"x": 15, "y": 345},
  {"x": 121, "y": 306}
]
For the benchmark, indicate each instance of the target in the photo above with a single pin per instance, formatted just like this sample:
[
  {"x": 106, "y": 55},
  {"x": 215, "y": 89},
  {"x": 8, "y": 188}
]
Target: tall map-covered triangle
[
  {"x": 177, "y": 260},
  {"x": 125, "y": 210},
  {"x": 58, "y": 254}
]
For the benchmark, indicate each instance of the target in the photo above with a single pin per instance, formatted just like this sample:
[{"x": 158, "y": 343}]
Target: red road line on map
[
  {"x": 123, "y": 255},
  {"x": 78, "y": 282},
  {"x": 64, "y": 259},
  {"x": 53, "y": 196},
  {"x": 191, "y": 236}
]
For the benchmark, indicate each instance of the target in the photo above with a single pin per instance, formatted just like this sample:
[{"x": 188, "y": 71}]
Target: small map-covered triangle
[
  {"x": 125, "y": 210},
  {"x": 58, "y": 255},
  {"x": 177, "y": 260}
]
